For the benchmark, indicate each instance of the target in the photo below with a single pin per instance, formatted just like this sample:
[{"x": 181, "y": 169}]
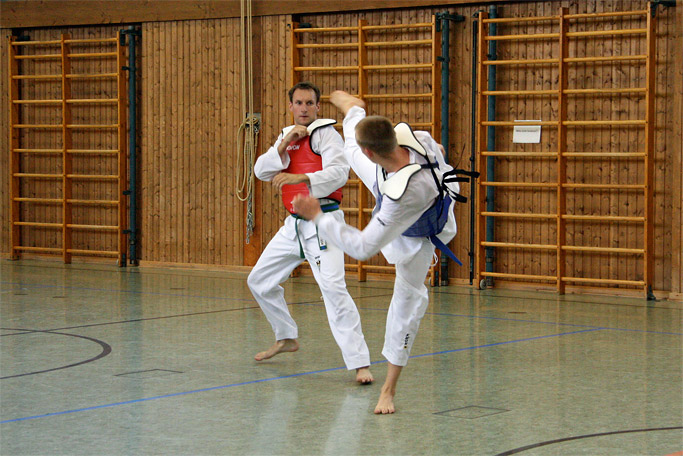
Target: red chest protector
[{"x": 302, "y": 160}]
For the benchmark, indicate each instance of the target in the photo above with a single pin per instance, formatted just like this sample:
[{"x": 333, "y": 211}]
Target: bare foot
[
  {"x": 345, "y": 101},
  {"x": 363, "y": 375},
  {"x": 280, "y": 346},
  {"x": 385, "y": 404}
]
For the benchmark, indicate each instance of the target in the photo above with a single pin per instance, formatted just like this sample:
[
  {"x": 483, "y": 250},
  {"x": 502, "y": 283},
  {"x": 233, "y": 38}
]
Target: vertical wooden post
[
  {"x": 561, "y": 150},
  {"x": 436, "y": 116},
  {"x": 482, "y": 81},
  {"x": 363, "y": 197},
  {"x": 295, "y": 59},
  {"x": 651, "y": 40},
  {"x": 122, "y": 155},
  {"x": 13, "y": 84},
  {"x": 67, "y": 145}
]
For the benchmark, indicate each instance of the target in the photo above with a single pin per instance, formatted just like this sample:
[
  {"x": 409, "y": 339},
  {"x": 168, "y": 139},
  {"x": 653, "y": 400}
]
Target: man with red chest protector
[{"x": 307, "y": 159}]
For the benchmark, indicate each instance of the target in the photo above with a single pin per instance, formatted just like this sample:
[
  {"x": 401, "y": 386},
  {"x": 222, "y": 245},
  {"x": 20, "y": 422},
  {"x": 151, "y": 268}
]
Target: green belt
[{"x": 325, "y": 208}]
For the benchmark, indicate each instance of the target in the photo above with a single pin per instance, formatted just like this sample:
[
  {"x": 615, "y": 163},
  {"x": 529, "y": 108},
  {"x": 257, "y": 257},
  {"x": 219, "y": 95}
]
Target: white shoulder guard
[
  {"x": 406, "y": 137},
  {"x": 396, "y": 185},
  {"x": 317, "y": 123}
]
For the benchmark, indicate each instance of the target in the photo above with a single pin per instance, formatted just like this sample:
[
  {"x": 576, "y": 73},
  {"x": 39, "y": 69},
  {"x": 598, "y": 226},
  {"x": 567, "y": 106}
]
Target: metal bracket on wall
[{"x": 664, "y": 3}]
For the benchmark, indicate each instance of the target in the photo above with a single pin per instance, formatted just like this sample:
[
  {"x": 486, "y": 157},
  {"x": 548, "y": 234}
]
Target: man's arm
[
  {"x": 335, "y": 170},
  {"x": 269, "y": 166}
]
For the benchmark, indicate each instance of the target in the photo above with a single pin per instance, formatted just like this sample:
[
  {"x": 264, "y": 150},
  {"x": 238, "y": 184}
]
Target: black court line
[
  {"x": 106, "y": 349},
  {"x": 135, "y": 320},
  {"x": 579, "y": 437}
]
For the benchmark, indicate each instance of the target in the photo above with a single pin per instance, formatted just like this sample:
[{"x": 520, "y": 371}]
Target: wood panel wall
[{"x": 190, "y": 114}]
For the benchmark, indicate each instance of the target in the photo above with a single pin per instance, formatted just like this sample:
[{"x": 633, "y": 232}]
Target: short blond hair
[{"x": 377, "y": 134}]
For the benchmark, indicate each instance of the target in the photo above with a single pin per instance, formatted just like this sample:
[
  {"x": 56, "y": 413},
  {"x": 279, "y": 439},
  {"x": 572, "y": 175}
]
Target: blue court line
[
  {"x": 516, "y": 320},
  {"x": 300, "y": 374},
  {"x": 554, "y": 323}
]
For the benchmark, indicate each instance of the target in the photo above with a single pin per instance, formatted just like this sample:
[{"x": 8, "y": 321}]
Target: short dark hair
[
  {"x": 377, "y": 134},
  {"x": 305, "y": 86}
]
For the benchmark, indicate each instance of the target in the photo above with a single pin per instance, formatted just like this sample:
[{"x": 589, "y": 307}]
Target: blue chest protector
[{"x": 433, "y": 220}]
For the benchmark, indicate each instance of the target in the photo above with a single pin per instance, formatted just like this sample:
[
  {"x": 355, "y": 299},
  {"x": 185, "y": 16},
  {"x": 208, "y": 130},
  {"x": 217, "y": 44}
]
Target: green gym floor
[{"x": 100, "y": 360}]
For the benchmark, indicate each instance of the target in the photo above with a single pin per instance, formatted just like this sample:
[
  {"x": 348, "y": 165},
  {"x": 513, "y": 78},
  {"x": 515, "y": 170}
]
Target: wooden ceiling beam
[{"x": 50, "y": 13}]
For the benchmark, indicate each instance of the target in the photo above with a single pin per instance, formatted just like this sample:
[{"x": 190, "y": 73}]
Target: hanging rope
[{"x": 247, "y": 134}]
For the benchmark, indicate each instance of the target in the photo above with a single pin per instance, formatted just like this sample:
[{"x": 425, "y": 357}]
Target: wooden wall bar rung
[
  {"x": 602, "y": 122},
  {"x": 38, "y": 200},
  {"x": 519, "y": 154},
  {"x": 502, "y": 20},
  {"x": 607, "y": 33},
  {"x": 39, "y": 224},
  {"x": 93, "y": 151},
  {"x": 514, "y": 245},
  {"x": 504, "y": 275},
  {"x": 39, "y": 57},
  {"x": 606, "y": 186},
  {"x": 378, "y": 96},
  {"x": 577, "y": 248},
  {"x": 89, "y": 126},
  {"x": 327, "y": 46},
  {"x": 38, "y": 175},
  {"x": 59, "y": 102},
  {"x": 37, "y": 126},
  {"x": 92, "y": 100},
  {"x": 38, "y": 151},
  {"x": 330, "y": 68},
  {"x": 519, "y": 184},
  {"x": 93, "y": 176},
  {"x": 605, "y": 91},
  {"x": 93, "y": 252},
  {"x": 511, "y": 123},
  {"x": 519, "y": 92},
  {"x": 93, "y": 227},
  {"x": 617, "y": 58},
  {"x": 402, "y": 66},
  {"x": 35, "y": 43},
  {"x": 603, "y": 218},
  {"x": 537, "y": 36},
  {"x": 38, "y": 76},
  {"x": 398, "y": 43},
  {"x": 94, "y": 202},
  {"x": 521, "y": 62},
  {"x": 94, "y": 75},
  {"x": 38, "y": 249},
  {"x": 605, "y": 154},
  {"x": 606, "y": 15},
  {"x": 518, "y": 215},
  {"x": 92, "y": 40},
  {"x": 420, "y": 25},
  {"x": 94, "y": 55},
  {"x": 325, "y": 30},
  {"x": 610, "y": 281}
]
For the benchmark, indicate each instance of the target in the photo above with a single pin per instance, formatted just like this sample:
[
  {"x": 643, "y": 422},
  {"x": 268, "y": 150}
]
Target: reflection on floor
[{"x": 128, "y": 361}]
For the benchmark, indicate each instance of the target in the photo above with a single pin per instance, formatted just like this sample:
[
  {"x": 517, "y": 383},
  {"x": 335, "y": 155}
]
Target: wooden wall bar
[{"x": 190, "y": 97}]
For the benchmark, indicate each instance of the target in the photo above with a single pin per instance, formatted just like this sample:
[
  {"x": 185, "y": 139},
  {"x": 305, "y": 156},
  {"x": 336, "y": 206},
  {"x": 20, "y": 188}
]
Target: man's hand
[
  {"x": 306, "y": 207},
  {"x": 288, "y": 179},
  {"x": 295, "y": 134},
  {"x": 345, "y": 101}
]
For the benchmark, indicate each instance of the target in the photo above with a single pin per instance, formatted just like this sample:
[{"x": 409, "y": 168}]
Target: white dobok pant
[
  {"x": 277, "y": 262},
  {"x": 408, "y": 305}
]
